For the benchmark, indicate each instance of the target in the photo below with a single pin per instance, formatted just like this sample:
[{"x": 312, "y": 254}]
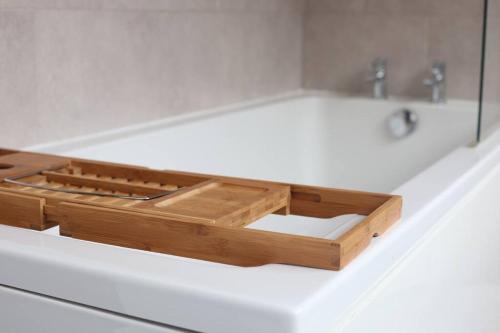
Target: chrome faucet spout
[
  {"x": 437, "y": 82},
  {"x": 379, "y": 78}
]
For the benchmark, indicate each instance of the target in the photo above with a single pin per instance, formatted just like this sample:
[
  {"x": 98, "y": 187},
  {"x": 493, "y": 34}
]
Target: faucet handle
[
  {"x": 379, "y": 70},
  {"x": 438, "y": 73}
]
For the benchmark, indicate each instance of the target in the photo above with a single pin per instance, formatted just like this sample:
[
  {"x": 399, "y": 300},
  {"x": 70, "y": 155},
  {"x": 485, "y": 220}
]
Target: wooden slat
[
  {"x": 97, "y": 183},
  {"x": 252, "y": 211},
  {"x": 22, "y": 211},
  {"x": 138, "y": 173},
  {"x": 327, "y": 203},
  {"x": 237, "y": 246},
  {"x": 184, "y": 193}
]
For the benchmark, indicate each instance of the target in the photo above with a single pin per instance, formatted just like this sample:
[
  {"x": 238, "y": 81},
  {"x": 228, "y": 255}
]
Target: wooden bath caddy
[{"x": 185, "y": 214}]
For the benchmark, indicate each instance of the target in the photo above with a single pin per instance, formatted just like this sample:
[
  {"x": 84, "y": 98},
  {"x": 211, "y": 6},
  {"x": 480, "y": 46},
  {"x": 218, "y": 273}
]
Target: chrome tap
[
  {"x": 379, "y": 78},
  {"x": 437, "y": 82}
]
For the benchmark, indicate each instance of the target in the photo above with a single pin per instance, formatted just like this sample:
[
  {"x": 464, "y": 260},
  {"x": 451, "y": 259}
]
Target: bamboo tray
[{"x": 185, "y": 214}]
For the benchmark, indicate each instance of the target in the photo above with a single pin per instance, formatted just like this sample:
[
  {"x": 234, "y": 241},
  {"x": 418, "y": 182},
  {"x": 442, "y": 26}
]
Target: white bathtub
[
  {"x": 320, "y": 140},
  {"x": 314, "y": 139}
]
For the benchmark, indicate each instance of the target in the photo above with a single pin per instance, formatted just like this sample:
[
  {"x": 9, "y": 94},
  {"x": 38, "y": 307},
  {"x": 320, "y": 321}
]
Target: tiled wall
[
  {"x": 342, "y": 37},
  {"x": 71, "y": 67}
]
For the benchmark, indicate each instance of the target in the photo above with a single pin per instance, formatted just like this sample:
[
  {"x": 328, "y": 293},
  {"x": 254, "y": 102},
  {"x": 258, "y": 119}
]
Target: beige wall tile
[
  {"x": 174, "y": 5},
  {"x": 399, "y": 7},
  {"x": 458, "y": 43},
  {"x": 342, "y": 38},
  {"x": 262, "y": 5},
  {"x": 491, "y": 108},
  {"x": 492, "y": 62},
  {"x": 494, "y": 9},
  {"x": 49, "y": 4},
  {"x": 456, "y": 8},
  {"x": 335, "y": 5},
  {"x": 98, "y": 70},
  {"x": 21, "y": 123},
  {"x": 341, "y": 59},
  {"x": 73, "y": 67},
  {"x": 169, "y": 5}
]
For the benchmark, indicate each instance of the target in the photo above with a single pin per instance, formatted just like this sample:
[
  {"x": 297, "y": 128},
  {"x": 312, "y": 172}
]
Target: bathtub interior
[
  {"x": 315, "y": 140},
  {"x": 335, "y": 142}
]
